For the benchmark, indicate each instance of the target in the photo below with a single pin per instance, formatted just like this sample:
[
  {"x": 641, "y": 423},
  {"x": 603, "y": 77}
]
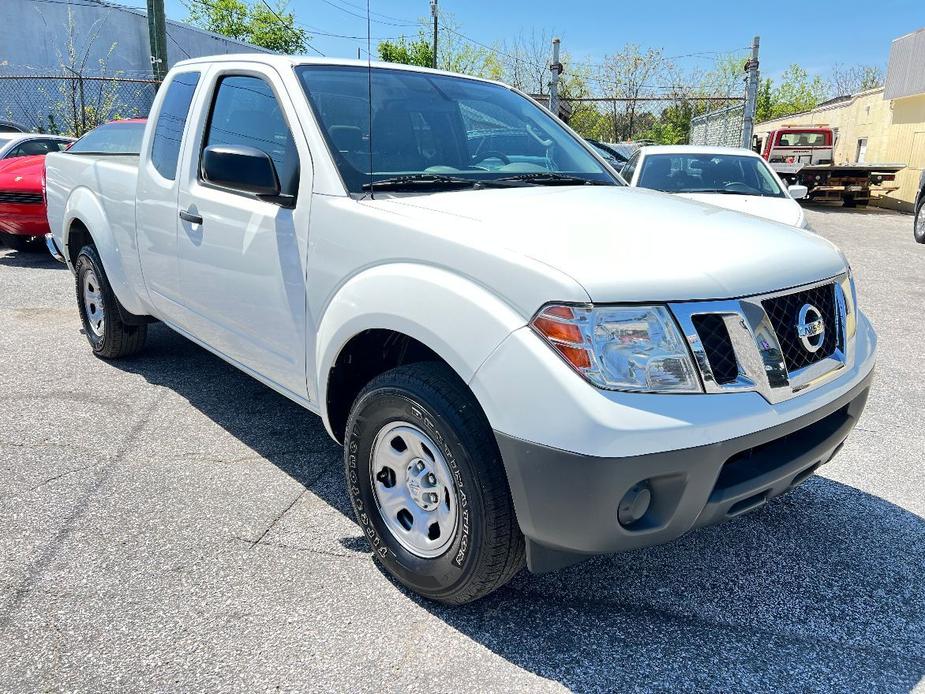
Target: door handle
[{"x": 190, "y": 217}]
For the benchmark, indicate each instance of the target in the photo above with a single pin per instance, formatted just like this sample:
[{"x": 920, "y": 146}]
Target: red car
[
  {"x": 22, "y": 208},
  {"x": 22, "y": 178}
]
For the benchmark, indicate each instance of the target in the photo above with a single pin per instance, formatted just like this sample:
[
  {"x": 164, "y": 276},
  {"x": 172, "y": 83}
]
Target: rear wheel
[
  {"x": 919, "y": 228},
  {"x": 107, "y": 334},
  {"x": 428, "y": 486}
]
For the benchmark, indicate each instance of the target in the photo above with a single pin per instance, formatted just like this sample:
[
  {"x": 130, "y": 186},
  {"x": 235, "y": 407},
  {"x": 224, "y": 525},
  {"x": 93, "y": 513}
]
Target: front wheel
[
  {"x": 428, "y": 486},
  {"x": 919, "y": 228},
  {"x": 108, "y": 335}
]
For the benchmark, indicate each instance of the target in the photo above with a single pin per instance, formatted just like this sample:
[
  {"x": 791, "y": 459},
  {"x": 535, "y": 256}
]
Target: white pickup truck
[{"x": 525, "y": 359}]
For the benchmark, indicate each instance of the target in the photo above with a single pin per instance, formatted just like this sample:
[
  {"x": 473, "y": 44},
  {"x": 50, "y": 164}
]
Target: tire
[
  {"x": 482, "y": 548},
  {"x": 849, "y": 201},
  {"x": 99, "y": 309},
  {"x": 919, "y": 224}
]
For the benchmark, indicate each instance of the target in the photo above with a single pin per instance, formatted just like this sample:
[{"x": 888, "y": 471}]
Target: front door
[{"x": 242, "y": 267}]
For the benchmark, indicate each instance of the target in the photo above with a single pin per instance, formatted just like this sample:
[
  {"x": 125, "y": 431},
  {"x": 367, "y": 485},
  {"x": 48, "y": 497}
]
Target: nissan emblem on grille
[{"x": 810, "y": 325}]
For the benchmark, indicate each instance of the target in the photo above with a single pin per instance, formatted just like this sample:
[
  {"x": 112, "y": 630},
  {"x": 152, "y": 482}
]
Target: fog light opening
[{"x": 634, "y": 504}]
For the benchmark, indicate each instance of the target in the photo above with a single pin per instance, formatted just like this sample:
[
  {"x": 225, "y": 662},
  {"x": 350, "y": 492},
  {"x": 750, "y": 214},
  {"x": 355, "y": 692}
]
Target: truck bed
[{"x": 109, "y": 178}]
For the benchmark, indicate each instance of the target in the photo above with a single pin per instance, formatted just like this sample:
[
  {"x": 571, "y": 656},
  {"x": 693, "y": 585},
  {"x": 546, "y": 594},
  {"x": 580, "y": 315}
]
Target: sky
[{"x": 814, "y": 34}]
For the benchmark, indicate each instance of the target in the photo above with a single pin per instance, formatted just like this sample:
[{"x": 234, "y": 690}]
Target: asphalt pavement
[{"x": 167, "y": 523}]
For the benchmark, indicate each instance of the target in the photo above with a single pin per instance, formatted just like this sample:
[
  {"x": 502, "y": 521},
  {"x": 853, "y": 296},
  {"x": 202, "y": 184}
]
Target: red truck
[{"x": 806, "y": 156}]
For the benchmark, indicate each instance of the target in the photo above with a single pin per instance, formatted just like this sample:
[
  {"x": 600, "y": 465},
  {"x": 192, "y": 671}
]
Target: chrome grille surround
[{"x": 756, "y": 346}]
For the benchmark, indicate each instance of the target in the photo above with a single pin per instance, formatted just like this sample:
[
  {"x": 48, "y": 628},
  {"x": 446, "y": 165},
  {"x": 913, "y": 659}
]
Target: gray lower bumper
[{"x": 567, "y": 503}]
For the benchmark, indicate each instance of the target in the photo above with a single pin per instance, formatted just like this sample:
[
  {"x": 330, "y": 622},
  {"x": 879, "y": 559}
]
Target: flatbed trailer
[{"x": 848, "y": 183}]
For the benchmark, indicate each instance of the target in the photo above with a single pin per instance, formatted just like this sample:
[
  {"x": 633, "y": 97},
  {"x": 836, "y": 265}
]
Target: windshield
[
  {"x": 448, "y": 130},
  {"x": 112, "y": 138},
  {"x": 729, "y": 174}
]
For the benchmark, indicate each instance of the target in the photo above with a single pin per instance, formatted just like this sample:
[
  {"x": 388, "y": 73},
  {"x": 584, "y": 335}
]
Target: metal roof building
[{"x": 35, "y": 36}]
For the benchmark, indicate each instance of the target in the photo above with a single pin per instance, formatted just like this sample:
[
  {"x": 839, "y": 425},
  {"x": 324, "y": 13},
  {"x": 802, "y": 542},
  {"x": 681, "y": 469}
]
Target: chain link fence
[
  {"x": 644, "y": 119},
  {"x": 72, "y": 105},
  {"x": 720, "y": 128}
]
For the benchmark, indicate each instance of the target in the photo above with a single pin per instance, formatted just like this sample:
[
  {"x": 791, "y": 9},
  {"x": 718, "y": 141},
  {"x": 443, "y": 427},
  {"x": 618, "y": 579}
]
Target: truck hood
[{"x": 630, "y": 244}]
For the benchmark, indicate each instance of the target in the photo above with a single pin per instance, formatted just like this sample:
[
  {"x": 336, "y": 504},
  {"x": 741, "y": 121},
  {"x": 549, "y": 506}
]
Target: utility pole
[
  {"x": 751, "y": 96},
  {"x": 157, "y": 37},
  {"x": 555, "y": 67},
  {"x": 433, "y": 12}
]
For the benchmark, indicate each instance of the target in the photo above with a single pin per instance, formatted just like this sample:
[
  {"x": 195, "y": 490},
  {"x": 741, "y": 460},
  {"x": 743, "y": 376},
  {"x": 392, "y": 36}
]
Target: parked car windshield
[
  {"x": 728, "y": 174},
  {"x": 430, "y": 126},
  {"x": 111, "y": 138}
]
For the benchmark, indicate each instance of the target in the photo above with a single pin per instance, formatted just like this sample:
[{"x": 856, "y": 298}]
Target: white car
[
  {"x": 737, "y": 179},
  {"x": 526, "y": 360},
  {"x": 29, "y": 144}
]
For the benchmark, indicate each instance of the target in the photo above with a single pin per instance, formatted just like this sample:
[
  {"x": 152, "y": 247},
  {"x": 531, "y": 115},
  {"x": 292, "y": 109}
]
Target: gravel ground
[{"x": 168, "y": 523}]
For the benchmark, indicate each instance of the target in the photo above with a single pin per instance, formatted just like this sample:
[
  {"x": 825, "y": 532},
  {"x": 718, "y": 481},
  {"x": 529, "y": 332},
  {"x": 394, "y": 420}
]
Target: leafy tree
[
  {"x": 796, "y": 92},
  {"x": 764, "y": 104},
  {"x": 454, "y": 53},
  {"x": 270, "y": 27},
  {"x": 418, "y": 51}
]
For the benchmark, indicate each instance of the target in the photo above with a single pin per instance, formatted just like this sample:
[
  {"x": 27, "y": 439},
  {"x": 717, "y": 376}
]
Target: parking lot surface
[{"x": 167, "y": 523}]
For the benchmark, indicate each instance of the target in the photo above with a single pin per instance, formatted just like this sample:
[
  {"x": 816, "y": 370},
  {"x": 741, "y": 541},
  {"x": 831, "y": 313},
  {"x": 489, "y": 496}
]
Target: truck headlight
[{"x": 634, "y": 348}]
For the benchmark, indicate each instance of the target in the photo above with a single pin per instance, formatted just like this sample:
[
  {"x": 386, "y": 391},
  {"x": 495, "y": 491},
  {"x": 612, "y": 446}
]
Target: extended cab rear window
[
  {"x": 171, "y": 121},
  {"x": 112, "y": 138}
]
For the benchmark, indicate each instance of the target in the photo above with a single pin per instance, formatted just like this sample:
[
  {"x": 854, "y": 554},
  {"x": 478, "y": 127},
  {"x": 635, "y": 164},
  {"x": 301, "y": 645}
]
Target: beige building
[{"x": 880, "y": 126}]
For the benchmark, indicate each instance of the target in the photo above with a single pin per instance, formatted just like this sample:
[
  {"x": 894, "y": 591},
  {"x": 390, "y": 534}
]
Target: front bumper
[
  {"x": 567, "y": 503},
  {"x": 23, "y": 220}
]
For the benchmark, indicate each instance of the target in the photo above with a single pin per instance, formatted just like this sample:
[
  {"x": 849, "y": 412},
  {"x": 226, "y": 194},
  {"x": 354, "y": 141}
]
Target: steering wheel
[{"x": 492, "y": 154}]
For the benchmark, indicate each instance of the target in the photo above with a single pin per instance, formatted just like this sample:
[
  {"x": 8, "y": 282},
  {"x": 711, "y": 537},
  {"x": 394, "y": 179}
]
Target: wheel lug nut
[
  {"x": 432, "y": 478},
  {"x": 432, "y": 498},
  {"x": 419, "y": 466}
]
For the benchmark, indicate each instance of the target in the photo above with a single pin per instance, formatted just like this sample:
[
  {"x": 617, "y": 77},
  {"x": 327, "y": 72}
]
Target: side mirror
[
  {"x": 241, "y": 168},
  {"x": 798, "y": 192}
]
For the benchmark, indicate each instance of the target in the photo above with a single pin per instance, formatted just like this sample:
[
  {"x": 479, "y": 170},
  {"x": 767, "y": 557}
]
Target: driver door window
[{"x": 245, "y": 112}]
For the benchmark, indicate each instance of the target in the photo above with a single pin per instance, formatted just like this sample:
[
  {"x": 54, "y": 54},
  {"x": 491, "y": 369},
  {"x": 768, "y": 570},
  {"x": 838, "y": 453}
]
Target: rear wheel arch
[{"x": 78, "y": 236}]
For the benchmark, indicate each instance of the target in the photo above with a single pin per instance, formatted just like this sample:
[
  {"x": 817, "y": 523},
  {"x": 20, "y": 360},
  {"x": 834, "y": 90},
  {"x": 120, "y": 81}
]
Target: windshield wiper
[
  {"x": 718, "y": 191},
  {"x": 550, "y": 178},
  {"x": 421, "y": 181}
]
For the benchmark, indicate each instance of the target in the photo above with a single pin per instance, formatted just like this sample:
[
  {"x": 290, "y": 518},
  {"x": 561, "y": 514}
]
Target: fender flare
[
  {"x": 83, "y": 206},
  {"x": 460, "y": 320}
]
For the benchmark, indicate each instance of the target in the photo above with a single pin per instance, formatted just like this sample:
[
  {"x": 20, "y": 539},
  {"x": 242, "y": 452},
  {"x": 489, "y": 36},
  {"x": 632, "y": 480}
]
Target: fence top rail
[
  {"x": 717, "y": 112},
  {"x": 94, "y": 78},
  {"x": 652, "y": 98}
]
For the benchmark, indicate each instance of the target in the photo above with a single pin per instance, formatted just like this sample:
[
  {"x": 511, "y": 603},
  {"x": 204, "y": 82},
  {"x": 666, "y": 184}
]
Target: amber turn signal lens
[
  {"x": 576, "y": 356},
  {"x": 560, "y": 332}
]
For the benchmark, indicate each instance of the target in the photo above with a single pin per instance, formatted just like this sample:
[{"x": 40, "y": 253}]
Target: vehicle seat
[
  {"x": 656, "y": 174},
  {"x": 396, "y": 147}
]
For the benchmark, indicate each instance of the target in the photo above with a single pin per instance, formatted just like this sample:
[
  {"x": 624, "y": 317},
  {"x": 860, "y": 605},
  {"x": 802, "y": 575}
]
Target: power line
[
  {"x": 295, "y": 33},
  {"x": 363, "y": 16}
]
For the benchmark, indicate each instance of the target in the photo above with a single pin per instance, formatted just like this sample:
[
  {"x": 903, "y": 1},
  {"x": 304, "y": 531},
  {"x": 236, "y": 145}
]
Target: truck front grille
[
  {"x": 784, "y": 313},
  {"x": 755, "y": 343},
  {"x": 718, "y": 346},
  {"x": 20, "y": 198}
]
